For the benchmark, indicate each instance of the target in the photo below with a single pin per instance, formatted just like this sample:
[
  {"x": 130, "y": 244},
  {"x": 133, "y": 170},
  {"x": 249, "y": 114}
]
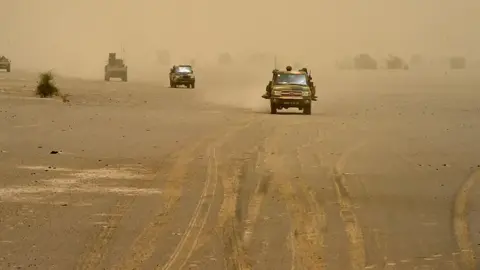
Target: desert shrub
[{"x": 46, "y": 86}]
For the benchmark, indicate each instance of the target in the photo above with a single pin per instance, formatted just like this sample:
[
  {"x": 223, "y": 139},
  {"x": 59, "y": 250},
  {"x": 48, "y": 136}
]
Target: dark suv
[{"x": 182, "y": 75}]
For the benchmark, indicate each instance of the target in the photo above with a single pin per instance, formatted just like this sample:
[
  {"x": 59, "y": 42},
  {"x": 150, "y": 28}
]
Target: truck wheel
[
  {"x": 8, "y": 69},
  {"x": 174, "y": 85},
  {"x": 125, "y": 78},
  {"x": 107, "y": 78},
  {"x": 307, "y": 109},
  {"x": 192, "y": 85},
  {"x": 273, "y": 108}
]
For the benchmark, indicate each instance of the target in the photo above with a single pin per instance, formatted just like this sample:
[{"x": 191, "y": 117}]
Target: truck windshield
[
  {"x": 184, "y": 70},
  {"x": 297, "y": 79}
]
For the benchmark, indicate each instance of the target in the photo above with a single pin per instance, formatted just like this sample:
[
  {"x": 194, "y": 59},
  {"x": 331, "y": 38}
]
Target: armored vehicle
[
  {"x": 290, "y": 89},
  {"x": 182, "y": 75},
  {"x": 395, "y": 62},
  {"x": 5, "y": 63},
  {"x": 115, "y": 68},
  {"x": 364, "y": 61}
]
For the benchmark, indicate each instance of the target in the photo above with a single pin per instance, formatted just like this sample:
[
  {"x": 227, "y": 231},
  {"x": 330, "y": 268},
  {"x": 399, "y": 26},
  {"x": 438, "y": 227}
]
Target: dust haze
[{"x": 74, "y": 38}]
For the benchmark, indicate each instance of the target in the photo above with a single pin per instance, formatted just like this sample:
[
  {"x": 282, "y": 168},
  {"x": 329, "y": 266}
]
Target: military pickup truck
[
  {"x": 115, "y": 68},
  {"x": 5, "y": 63},
  {"x": 290, "y": 89}
]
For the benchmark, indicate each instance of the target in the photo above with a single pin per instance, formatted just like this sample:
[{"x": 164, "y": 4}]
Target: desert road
[{"x": 385, "y": 174}]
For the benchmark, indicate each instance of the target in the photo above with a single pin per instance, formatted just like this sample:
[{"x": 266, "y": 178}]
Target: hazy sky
[{"x": 73, "y": 33}]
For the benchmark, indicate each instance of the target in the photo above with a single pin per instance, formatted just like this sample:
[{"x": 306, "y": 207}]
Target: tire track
[
  {"x": 229, "y": 222},
  {"x": 461, "y": 228},
  {"x": 230, "y": 173},
  {"x": 98, "y": 250},
  {"x": 253, "y": 210},
  {"x": 347, "y": 213},
  {"x": 173, "y": 188},
  {"x": 217, "y": 144},
  {"x": 236, "y": 231},
  {"x": 244, "y": 227},
  {"x": 145, "y": 244},
  {"x": 305, "y": 234},
  {"x": 317, "y": 211},
  {"x": 211, "y": 174},
  {"x": 306, "y": 215}
]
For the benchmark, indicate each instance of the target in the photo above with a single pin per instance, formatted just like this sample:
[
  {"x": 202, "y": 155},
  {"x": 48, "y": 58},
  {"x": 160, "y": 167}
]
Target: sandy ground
[{"x": 382, "y": 175}]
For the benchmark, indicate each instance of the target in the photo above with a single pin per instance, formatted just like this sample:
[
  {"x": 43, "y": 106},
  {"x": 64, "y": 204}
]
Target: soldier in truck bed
[
  {"x": 268, "y": 88},
  {"x": 310, "y": 83}
]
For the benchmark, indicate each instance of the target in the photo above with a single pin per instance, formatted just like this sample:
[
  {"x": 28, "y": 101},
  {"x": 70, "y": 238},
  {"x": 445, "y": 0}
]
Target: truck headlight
[
  {"x": 306, "y": 93},
  {"x": 277, "y": 93}
]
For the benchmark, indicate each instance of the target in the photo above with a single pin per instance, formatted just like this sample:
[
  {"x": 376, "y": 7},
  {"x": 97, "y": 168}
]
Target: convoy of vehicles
[
  {"x": 287, "y": 88},
  {"x": 182, "y": 75}
]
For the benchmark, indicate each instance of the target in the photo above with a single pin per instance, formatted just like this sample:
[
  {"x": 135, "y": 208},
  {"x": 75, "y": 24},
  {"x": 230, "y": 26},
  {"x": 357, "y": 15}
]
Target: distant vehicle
[
  {"x": 5, "y": 63},
  {"x": 458, "y": 63},
  {"x": 395, "y": 62},
  {"x": 115, "y": 68},
  {"x": 290, "y": 89},
  {"x": 364, "y": 61},
  {"x": 182, "y": 75}
]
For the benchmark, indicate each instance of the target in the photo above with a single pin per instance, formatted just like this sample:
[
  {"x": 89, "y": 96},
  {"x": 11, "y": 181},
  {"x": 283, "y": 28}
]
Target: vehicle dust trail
[
  {"x": 144, "y": 245},
  {"x": 306, "y": 216},
  {"x": 460, "y": 223},
  {"x": 347, "y": 212},
  {"x": 243, "y": 97}
]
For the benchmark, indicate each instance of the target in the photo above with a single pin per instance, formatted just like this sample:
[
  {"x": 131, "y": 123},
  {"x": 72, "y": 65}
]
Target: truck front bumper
[
  {"x": 184, "y": 80},
  {"x": 287, "y": 102}
]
